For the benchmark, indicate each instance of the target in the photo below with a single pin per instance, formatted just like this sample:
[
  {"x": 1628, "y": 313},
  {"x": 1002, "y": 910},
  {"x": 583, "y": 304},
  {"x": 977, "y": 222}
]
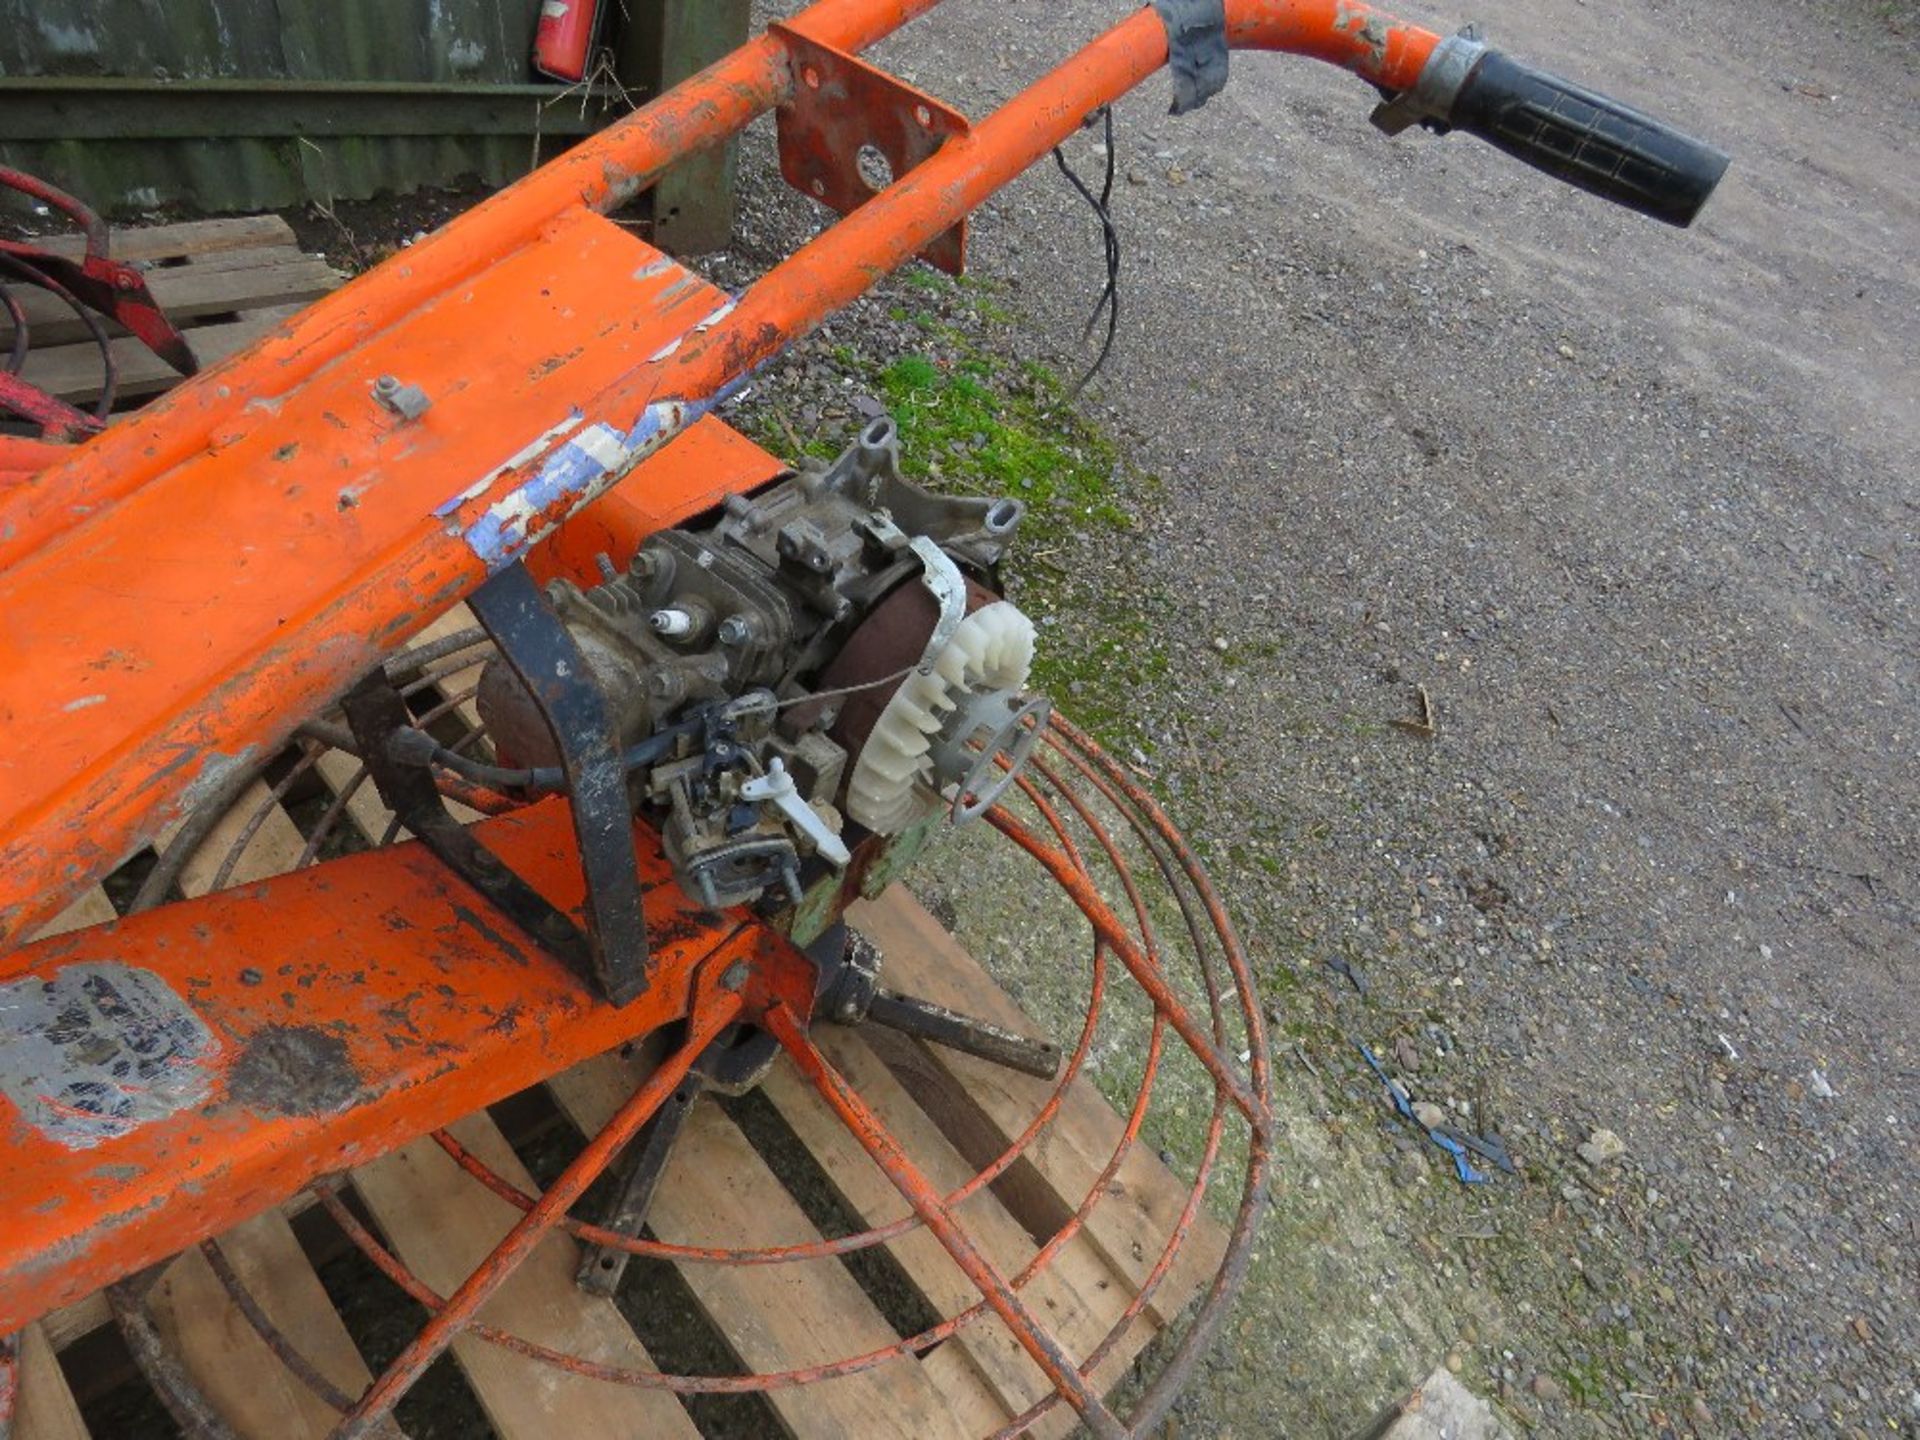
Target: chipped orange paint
[
  {"x": 617, "y": 523},
  {"x": 600, "y": 173}
]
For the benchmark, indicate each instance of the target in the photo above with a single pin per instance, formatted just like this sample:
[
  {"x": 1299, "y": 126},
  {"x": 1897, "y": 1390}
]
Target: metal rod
[
  {"x": 919, "y": 1192},
  {"x": 927, "y": 1021},
  {"x": 707, "y": 1021},
  {"x": 1108, "y": 927},
  {"x": 602, "y": 1266}
]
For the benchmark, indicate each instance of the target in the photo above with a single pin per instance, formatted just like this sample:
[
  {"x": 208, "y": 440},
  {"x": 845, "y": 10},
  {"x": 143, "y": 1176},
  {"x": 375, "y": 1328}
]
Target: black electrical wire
[
  {"x": 421, "y": 748},
  {"x": 110, "y": 375},
  {"x": 1109, "y": 301}
]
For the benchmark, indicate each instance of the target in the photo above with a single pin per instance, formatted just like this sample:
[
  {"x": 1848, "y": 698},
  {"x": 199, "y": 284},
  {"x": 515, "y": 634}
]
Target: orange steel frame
[{"x": 179, "y": 592}]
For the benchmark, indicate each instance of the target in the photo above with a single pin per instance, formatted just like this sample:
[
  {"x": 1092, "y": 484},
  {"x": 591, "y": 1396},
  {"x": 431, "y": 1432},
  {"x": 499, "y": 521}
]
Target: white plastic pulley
[{"x": 991, "y": 649}]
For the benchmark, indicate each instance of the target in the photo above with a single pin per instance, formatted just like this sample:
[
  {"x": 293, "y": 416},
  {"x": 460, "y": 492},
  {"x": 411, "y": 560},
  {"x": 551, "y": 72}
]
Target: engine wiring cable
[{"x": 1109, "y": 301}]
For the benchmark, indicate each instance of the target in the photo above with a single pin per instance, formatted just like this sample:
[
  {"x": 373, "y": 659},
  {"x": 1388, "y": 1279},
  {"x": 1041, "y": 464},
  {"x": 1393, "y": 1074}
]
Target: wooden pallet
[
  {"x": 225, "y": 283},
  {"x": 952, "y": 1112}
]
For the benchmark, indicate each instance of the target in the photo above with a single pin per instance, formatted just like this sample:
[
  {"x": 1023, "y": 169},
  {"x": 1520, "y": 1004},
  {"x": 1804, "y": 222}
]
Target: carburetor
[{"x": 824, "y": 659}]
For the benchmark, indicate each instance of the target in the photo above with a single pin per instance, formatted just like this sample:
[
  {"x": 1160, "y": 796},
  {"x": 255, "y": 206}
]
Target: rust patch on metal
[{"x": 293, "y": 1070}]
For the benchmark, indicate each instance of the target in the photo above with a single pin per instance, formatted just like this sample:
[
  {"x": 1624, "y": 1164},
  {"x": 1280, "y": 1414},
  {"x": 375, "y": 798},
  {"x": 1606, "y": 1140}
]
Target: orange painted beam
[
  {"x": 234, "y": 594},
  {"x": 601, "y": 173},
  {"x": 616, "y": 523},
  {"x": 169, "y": 1075}
]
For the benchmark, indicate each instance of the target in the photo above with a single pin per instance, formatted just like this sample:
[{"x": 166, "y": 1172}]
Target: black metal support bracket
[
  {"x": 602, "y": 1266},
  {"x": 736, "y": 1061},
  {"x": 375, "y": 713},
  {"x": 533, "y": 640},
  {"x": 850, "y": 993},
  {"x": 611, "y": 953}
]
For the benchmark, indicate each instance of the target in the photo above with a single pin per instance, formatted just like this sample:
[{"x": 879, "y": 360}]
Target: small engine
[{"x": 826, "y": 660}]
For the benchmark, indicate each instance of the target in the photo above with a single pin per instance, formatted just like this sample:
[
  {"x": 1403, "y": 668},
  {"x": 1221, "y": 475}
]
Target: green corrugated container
[{"x": 226, "y": 105}]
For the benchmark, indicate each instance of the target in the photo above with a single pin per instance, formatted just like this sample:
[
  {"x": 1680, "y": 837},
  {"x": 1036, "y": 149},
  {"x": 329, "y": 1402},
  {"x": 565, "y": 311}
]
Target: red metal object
[
  {"x": 114, "y": 289},
  {"x": 563, "y": 39},
  {"x": 55, "y": 418},
  {"x": 96, "y": 282}
]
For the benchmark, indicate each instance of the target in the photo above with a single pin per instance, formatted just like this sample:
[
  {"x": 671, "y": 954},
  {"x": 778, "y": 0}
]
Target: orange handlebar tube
[
  {"x": 191, "y": 584},
  {"x": 1354, "y": 36}
]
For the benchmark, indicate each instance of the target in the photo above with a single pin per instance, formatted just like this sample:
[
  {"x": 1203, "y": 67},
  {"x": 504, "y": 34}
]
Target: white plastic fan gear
[{"x": 991, "y": 650}]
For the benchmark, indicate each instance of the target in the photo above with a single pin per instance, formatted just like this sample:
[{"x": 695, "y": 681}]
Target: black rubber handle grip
[{"x": 1599, "y": 145}]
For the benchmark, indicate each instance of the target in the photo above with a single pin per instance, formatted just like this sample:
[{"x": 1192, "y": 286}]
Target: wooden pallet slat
[
  {"x": 184, "y": 239},
  {"x": 1078, "y": 1296},
  {"x": 1132, "y": 1225},
  {"x": 45, "y": 1408},
  {"x": 232, "y": 1366},
  {"x": 92, "y": 908},
  {"x": 717, "y": 1190},
  {"x": 218, "y": 1347},
  {"x": 73, "y": 371},
  {"x": 236, "y": 281}
]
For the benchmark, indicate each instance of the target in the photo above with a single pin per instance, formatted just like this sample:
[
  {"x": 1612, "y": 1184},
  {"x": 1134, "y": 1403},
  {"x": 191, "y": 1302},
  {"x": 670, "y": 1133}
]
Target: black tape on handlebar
[{"x": 1196, "y": 50}]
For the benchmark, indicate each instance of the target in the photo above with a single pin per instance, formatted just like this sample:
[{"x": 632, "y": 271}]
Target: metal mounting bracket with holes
[{"x": 844, "y": 111}]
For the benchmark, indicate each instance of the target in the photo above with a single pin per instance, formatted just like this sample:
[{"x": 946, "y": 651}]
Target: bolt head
[{"x": 736, "y": 976}]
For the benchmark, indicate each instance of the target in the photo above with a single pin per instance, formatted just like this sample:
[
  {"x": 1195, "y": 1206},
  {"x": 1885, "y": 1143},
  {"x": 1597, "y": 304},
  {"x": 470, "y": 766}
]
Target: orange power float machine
[{"x": 721, "y": 699}]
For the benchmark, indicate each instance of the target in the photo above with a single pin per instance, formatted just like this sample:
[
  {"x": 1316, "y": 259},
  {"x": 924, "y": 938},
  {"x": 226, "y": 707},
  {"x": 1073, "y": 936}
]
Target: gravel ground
[{"x": 1634, "y": 510}]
